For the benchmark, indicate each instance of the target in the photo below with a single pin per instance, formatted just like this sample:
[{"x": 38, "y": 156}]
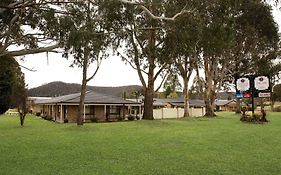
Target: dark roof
[
  {"x": 222, "y": 102},
  {"x": 90, "y": 98},
  {"x": 197, "y": 103},
  {"x": 192, "y": 103}
]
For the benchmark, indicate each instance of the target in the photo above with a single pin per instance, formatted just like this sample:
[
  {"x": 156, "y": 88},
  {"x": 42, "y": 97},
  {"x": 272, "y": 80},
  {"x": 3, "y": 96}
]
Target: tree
[
  {"x": 12, "y": 87},
  {"x": 196, "y": 91},
  {"x": 6, "y": 83},
  {"x": 29, "y": 24},
  {"x": 235, "y": 33},
  {"x": 276, "y": 95},
  {"x": 83, "y": 37},
  {"x": 181, "y": 45},
  {"x": 172, "y": 85},
  {"x": 141, "y": 31}
]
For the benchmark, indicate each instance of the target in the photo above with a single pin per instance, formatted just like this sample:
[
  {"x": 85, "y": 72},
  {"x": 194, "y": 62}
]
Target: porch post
[
  {"x": 105, "y": 112},
  {"x": 51, "y": 112},
  {"x": 61, "y": 113},
  {"x": 84, "y": 113},
  {"x": 123, "y": 112},
  {"x": 140, "y": 110}
]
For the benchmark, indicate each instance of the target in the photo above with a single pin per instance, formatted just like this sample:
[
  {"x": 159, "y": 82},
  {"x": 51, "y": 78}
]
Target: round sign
[
  {"x": 243, "y": 84},
  {"x": 262, "y": 83}
]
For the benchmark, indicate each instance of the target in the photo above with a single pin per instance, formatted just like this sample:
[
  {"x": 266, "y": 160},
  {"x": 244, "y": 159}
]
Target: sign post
[{"x": 253, "y": 86}]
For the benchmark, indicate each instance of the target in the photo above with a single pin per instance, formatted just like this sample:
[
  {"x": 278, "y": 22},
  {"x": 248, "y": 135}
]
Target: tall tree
[
  {"x": 235, "y": 33},
  {"x": 142, "y": 34},
  {"x": 83, "y": 37},
  {"x": 181, "y": 43}
]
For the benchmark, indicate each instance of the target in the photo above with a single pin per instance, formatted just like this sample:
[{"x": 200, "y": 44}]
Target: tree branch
[
  {"x": 141, "y": 6},
  {"x": 162, "y": 82},
  {"x": 98, "y": 67},
  {"x": 30, "y": 51}
]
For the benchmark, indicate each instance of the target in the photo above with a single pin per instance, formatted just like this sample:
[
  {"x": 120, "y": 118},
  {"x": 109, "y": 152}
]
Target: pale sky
[{"x": 113, "y": 71}]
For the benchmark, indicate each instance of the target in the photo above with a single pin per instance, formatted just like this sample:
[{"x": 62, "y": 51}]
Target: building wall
[
  {"x": 71, "y": 113},
  {"x": 99, "y": 112},
  {"x": 166, "y": 113}
]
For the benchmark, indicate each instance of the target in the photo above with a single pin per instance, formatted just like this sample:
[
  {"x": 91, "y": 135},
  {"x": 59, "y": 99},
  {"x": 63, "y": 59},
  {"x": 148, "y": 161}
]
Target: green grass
[{"x": 188, "y": 146}]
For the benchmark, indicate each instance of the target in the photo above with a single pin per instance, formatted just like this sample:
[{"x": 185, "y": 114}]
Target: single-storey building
[
  {"x": 97, "y": 106},
  {"x": 227, "y": 105}
]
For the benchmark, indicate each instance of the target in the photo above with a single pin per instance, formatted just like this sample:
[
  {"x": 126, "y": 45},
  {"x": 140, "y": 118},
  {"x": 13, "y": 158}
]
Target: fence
[{"x": 165, "y": 113}]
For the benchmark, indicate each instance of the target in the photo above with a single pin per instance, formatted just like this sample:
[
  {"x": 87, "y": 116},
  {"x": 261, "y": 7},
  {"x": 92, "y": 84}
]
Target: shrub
[
  {"x": 38, "y": 114},
  {"x": 119, "y": 118},
  {"x": 94, "y": 119},
  {"x": 277, "y": 109},
  {"x": 65, "y": 120},
  {"x": 49, "y": 118},
  {"x": 256, "y": 118},
  {"x": 131, "y": 117}
]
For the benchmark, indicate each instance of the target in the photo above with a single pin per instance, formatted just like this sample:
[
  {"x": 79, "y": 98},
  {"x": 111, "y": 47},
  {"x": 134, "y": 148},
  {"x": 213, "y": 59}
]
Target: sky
[{"x": 113, "y": 71}]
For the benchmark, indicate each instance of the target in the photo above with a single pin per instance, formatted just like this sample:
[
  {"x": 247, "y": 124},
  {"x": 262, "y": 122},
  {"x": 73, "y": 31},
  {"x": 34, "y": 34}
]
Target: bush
[
  {"x": 131, "y": 117},
  {"x": 277, "y": 109},
  {"x": 65, "y": 120},
  {"x": 38, "y": 114},
  {"x": 49, "y": 118},
  {"x": 94, "y": 119},
  {"x": 256, "y": 118},
  {"x": 119, "y": 118}
]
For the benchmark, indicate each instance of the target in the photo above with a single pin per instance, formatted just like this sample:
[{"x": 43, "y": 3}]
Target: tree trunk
[
  {"x": 238, "y": 106},
  {"x": 148, "y": 104},
  {"x": 22, "y": 117},
  {"x": 83, "y": 89},
  {"x": 149, "y": 90},
  {"x": 208, "y": 95},
  {"x": 186, "y": 97},
  {"x": 149, "y": 93},
  {"x": 262, "y": 103}
]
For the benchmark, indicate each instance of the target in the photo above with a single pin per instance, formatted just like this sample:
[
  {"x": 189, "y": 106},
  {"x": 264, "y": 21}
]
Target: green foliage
[
  {"x": 12, "y": 85},
  {"x": 195, "y": 90},
  {"x": 172, "y": 86},
  {"x": 276, "y": 93},
  {"x": 33, "y": 16},
  {"x": 186, "y": 146}
]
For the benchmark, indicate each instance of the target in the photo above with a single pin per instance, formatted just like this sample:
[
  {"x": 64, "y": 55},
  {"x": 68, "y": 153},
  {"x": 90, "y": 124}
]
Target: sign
[
  {"x": 261, "y": 83},
  {"x": 239, "y": 95},
  {"x": 243, "y": 84},
  {"x": 247, "y": 95},
  {"x": 264, "y": 94}
]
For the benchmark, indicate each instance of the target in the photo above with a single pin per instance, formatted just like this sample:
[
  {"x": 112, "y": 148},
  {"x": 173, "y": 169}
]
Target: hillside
[{"x": 58, "y": 88}]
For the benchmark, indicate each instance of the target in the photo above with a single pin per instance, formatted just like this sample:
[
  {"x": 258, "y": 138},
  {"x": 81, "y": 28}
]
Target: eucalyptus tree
[
  {"x": 256, "y": 42},
  {"x": 141, "y": 31},
  {"x": 29, "y": 25},
  {"x": 237, "y": 34},
  {"x": 180, "y": 44},
  {"x": 84, "y": 39}
]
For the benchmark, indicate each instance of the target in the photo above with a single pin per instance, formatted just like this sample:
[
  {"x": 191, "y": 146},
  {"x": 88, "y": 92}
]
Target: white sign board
[
  {"x": 264, "y": 94},
  {"x": 243, "y": 84},
  {"x": 261, "y": 83}
]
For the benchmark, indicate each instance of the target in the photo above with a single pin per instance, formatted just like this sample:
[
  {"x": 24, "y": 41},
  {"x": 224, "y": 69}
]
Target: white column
[
  {"x": 84, "y": 114},
  {"x": 61, "y": 113},
  {"x": 105, "y": 111}
]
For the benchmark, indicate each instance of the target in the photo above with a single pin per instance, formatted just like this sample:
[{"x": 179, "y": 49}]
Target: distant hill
[{"x": 59, "y": 88}]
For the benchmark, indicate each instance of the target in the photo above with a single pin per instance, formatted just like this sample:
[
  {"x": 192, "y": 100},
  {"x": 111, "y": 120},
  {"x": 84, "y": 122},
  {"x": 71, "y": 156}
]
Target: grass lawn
[{"x": 187, "y": 146}]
